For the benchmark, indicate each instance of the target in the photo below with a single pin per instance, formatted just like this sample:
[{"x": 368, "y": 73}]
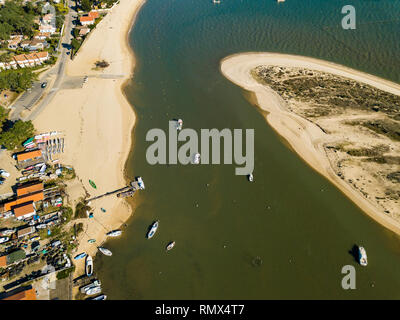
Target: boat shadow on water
[{"x": 354, "y": 252}]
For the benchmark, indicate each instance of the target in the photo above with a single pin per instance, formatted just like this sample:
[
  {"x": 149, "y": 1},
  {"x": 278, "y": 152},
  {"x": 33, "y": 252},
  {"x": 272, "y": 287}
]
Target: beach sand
[
  {"x": 97, "y": 121},
  {"x": 306, "y": 138}
]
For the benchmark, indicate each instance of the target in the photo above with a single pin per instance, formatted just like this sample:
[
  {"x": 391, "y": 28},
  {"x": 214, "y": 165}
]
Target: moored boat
[
  {"x": 105, "y": 251},
  {"x": 250, "y": 177},
  {"x": 92, "y": 184},
  {"x": 196, "y": 159},
  {"x": 140, "y": 183},
  {"x": 362, "y": 256},
  {"x": 89, "y": 266},
  {"x": 93, "y": 290},
  {"x": 91, "y": 240},
  {"x": 100, "y": 297},
  {"x": 4, "y": 239},
  {"x": 179, "y": 124},
  {"x": 152, "y": 230},
  {"x": 114, "y": 233},
  {"x": 80, "y": 256},
  {"x": 170, "y": 245}
]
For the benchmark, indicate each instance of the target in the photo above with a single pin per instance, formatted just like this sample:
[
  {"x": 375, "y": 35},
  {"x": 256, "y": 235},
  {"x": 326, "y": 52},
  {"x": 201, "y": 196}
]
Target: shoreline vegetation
[
  {"x": 99, "y": 122},
  {"x": 342, "y": 122}
]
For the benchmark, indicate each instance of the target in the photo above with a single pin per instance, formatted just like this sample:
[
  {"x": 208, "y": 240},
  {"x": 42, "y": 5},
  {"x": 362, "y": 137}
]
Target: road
[{"x": 31, "y": 97}]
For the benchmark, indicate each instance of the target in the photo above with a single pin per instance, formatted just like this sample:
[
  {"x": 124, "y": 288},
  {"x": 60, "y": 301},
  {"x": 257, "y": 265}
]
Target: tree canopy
[
  {"x": 17, "y": 134},
  {"x": 16, "y": 18},
  {"x": 16, "y": 80}
]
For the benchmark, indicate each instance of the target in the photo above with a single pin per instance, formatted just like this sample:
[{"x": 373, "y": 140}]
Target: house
[
  {"x": 83, "y": 31},
  {"x": 14, "y": 41},
  {"x": 47, "y": 28},
  {"x": 25, "y": 232},
  {"x": 12, "y": 257},
  {"x": 47, "y": 18},
  {"x": 29, "y": 187},
  {"x": 86, "y": 20},
  {"x": 93, "y": 14},
  {"x": 21, "y": 60},
  {"x": 27, "y": 293},
  {"x": 25, "y": 44},
  {"x": 42, "y": 35},
  {"x": 37, "y": 44},
  {"x": 30, "y": 60},
  {"x": 29, "y": 155},
  {"x": 24, "y": 211}
]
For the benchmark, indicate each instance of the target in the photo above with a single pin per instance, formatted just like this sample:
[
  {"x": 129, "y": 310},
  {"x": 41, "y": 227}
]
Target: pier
[{"x": 133, "y": 186}]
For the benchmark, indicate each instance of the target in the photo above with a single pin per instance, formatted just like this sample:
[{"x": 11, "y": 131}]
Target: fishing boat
[
  {"x": 179, "y": 124},
  {"x": 196, "y": 159},
  {"x": 93, "y": 290},
  {"x": 91, "y": 240},
  {"x": 4, "y": 239},
  {"x": 152, "y": 230},
  {"x": 100, "y": 297},
  {"x": 89, "y": 266},
  {"x": 80, "y": 256},
  {"x": 362, "y": 256},
  {"x": 170, "y": 245},
  {"x": 114, "y": 233},
  {"x": 105, "y": 251},
  {"x": 250, "y": 177},
  {"x": 92, "y": 184}
]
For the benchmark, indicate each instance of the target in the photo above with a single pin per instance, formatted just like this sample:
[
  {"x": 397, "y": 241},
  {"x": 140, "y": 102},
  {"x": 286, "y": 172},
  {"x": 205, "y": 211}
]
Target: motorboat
[
  {"x": 89, "y": 266},
  {"x": 170, "y": 245},
  {"x": 114, "y": 233},
  {"x": 152, "y": 230},
  {"x": 362, "y": 256},
  {"x": 105, "y": 251}
]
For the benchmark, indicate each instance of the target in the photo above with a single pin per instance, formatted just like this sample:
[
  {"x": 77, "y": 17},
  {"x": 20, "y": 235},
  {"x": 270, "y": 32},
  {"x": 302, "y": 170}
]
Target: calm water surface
[{"x": 290, "y": 219}]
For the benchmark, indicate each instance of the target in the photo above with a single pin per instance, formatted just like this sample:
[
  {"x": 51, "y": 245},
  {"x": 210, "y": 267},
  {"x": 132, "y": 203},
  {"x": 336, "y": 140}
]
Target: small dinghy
[
  {"x": 250, "y": 177},
  {"x": 196, "y": 159},
  {"x": 179, "y": 124},
  {"x": 92, "y": 184},
  {"x": 105, "y": 251},
  {"x": 170, "y": 245},
  {"x": 91, "y": 240},
  {"x": 362, "y": 256},
  {"x": 80, "y": 256}
]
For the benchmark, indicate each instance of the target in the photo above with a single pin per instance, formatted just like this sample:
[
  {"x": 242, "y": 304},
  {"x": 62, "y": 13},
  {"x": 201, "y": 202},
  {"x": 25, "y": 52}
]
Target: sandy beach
[
  {"x": 306, "y": 138},
  {"x": 97, "y": 121}
]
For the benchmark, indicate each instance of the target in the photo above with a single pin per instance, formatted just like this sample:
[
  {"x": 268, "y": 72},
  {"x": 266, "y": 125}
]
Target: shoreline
[
  {"x": 97, "y": 123},
  {"x": 305, "y": 138}
]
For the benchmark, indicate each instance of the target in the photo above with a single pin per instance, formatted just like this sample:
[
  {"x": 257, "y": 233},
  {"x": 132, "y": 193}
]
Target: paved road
[{"x": 31, "y": 97}]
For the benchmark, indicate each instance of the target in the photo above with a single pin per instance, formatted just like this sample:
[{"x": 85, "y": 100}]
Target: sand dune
[{"x": 306, "y": 138}]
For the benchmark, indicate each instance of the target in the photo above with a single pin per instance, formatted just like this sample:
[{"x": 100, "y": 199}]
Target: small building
[
  {"x": 29, "y": 187},
  {"x": 34, "y": 197},
  {"x": 47, "y": 28},
  {"x": 29, "y": 155},
  {"x": 83, "y": 31},
  {"x": 86, "y": 20},
  {"x": 12, "y": 257},
  {"x": 93, "y": 14},
  {"x": 47, "y": 18},
  {"x": 27, "y": 293},
  {"x": 24, "y": 211},
  {"x": 42, "y": 35},
  {"x": 25, "y": 232}
]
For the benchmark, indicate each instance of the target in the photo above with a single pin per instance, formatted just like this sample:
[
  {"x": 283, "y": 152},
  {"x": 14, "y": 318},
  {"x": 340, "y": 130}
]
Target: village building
[
  {"x": 42, "y": 35},
  {"x": 14, "y": 41},
  {"x": 24, "y": 211},
  {"x": 28, "y": 293},
  {"x": 25, "y": 232},
  {"x": 47, "y": 18},
  {"x": 29, "y": 155},
  {"x": 34, "y": 197},
  {"x": 86, "y": 20},
  {"x": 29, "y": 187},
  {"x": 47, "y": 28}
]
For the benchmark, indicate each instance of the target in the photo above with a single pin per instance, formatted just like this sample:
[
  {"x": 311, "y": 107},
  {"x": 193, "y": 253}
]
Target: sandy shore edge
[{"x": 304, "y": 137}]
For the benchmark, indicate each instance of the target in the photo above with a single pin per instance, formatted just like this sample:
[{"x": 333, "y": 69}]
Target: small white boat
[
  {"x": 100, "y": 297},
  {"x": 179, "y": 124},
  {"x": 196, "y": 159},
  {"x": 89, "y": 266},
  {"x": 170, "y": 245},
  {"x": 152, "y": 230},
  {"x": 362, "y": 256},
  {"x": 114, "y": 233},
  {"x": 93, "y": 290},
  {"x": 140, "y": 183},
  {"x": 251, "y": 178},
  {"x": 105, "y": 251},
  {"x": 4, "y": 239}
]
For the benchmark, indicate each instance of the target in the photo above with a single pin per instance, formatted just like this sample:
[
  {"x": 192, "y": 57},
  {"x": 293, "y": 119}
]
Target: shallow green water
[{"x": 300, "y": 226}]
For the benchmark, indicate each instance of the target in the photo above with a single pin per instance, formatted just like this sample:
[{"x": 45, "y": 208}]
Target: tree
[
  {"x": 75, "y": 44},
  {"x": 86, "y": 5},
  {"x": 18, "y": 133}
]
